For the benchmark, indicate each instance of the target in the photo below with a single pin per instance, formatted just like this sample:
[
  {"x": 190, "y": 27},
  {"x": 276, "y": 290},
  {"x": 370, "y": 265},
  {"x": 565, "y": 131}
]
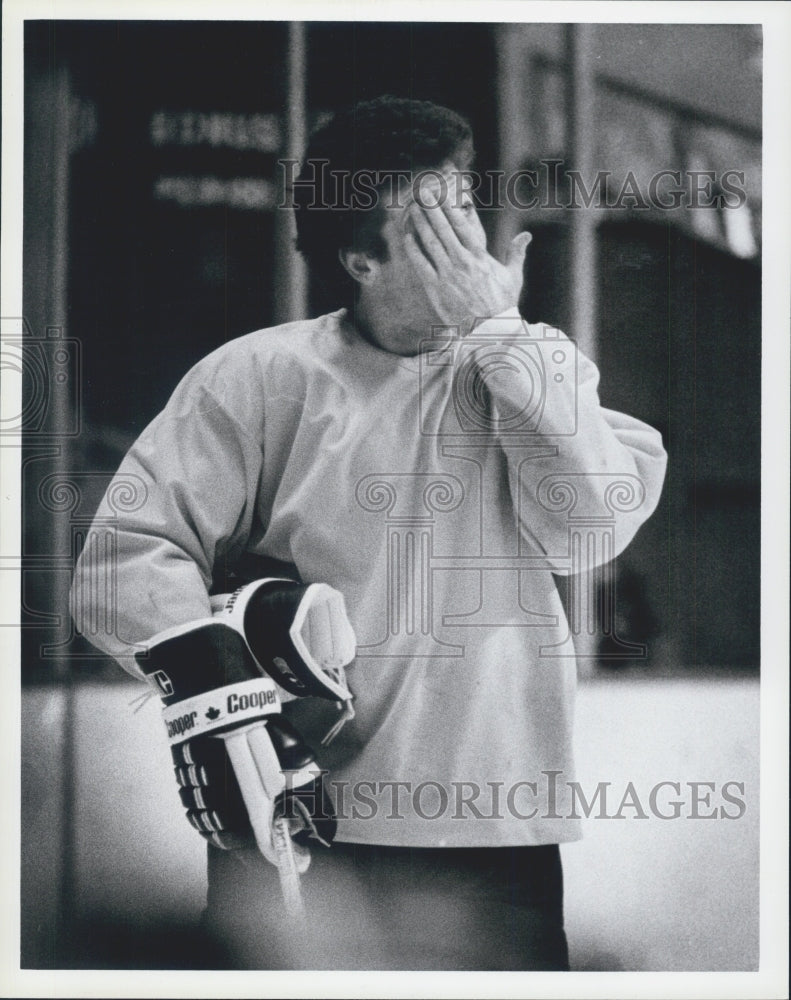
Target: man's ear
[{"x": 358, "y": 265}]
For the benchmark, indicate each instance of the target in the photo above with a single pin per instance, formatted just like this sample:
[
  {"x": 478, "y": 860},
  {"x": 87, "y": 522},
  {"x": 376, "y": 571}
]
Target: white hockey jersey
[{"x": 438, "y": 493}]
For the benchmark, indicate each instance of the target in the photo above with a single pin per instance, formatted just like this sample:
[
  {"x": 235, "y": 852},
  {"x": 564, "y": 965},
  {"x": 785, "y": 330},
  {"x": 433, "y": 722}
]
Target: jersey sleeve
[
  {"x": 198, "y": 468},
  {"x": 569, "y": 458}
]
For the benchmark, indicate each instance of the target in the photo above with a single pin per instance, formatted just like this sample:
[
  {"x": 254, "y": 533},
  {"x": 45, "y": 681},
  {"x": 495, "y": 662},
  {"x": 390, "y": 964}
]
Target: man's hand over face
[{"x": 462, "y": 281}]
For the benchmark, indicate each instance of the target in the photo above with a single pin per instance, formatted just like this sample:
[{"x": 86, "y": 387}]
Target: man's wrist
[{"x": 504, "y": 324}]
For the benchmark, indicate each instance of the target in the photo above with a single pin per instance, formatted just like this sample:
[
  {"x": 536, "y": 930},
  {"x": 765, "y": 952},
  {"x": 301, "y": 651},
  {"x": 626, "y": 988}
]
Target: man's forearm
[
  {"x": 569, "y": 458},
  {"x": 128, "y": 586}
]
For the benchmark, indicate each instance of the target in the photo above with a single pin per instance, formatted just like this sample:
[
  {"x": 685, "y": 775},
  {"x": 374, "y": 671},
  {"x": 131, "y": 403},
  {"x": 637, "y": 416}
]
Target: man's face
[{"x": 398, "y": 285}]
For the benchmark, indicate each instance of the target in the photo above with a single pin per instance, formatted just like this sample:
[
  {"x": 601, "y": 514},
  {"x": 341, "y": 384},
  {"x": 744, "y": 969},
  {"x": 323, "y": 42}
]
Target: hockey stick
[{"x": 261, "y": 780}]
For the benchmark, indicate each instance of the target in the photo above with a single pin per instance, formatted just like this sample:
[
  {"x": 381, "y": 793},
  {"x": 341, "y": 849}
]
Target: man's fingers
[
  {"x": 420, "y": 262},
  {"x": 467, "y": 227},
  {"x": 432, "y": 245},
  {"x": 439, "y": 219},
  {"x": 515, "y": 259}
]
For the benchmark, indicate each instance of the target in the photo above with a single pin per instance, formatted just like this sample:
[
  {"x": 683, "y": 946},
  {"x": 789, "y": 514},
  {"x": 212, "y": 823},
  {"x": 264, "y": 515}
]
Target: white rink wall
[{"x": 641, "y": 894}]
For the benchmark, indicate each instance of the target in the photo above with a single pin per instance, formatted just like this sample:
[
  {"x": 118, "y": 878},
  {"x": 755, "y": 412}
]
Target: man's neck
[{"x": 385, "y": 326}]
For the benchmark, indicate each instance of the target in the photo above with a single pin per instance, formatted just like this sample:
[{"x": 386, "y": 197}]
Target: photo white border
[{"x": 772, "y": 978}]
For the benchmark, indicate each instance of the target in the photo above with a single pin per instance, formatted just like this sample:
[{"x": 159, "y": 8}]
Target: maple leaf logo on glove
[{"x": 212, "y": 713}]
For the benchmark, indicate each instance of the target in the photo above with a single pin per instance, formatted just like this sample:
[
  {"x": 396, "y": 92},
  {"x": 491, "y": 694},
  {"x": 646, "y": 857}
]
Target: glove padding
[
  {"x": 299, "y": 634},
  {"x": 218, "y": 704}
]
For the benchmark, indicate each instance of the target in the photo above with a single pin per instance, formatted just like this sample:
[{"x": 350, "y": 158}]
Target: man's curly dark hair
[{"x": 381, "y": 135}]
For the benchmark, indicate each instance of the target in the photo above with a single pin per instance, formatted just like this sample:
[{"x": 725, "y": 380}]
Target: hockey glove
[
  {"x": 218, "y": 705},
  {"x": 299, "y": 635}
]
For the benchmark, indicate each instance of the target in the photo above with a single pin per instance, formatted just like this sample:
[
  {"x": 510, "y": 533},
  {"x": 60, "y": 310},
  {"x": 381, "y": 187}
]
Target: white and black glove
[
  {"x": 239, "y": 763},
  {"x": 300, "y": 636}
]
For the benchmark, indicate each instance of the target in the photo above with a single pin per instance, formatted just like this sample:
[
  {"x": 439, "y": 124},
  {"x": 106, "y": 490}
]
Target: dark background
[{"x": 152, "y": 286}]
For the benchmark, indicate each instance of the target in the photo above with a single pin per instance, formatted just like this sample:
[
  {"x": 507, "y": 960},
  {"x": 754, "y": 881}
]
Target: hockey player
[{"x": 426, "y": 455}]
